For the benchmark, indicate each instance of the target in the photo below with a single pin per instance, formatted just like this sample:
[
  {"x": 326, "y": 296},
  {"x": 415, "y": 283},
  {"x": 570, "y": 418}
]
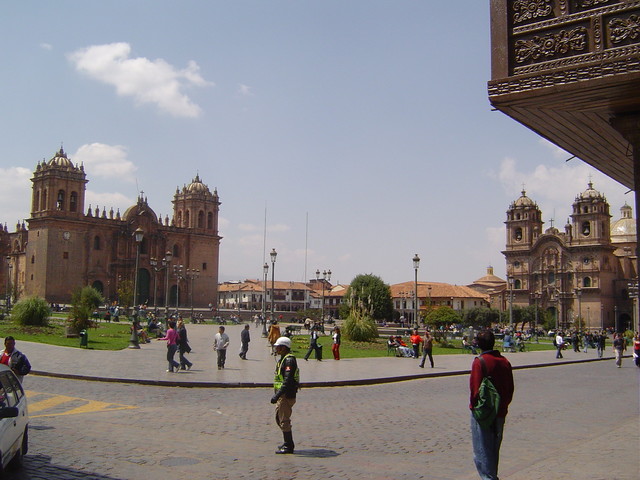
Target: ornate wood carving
[
  {"x": 551, "y": 45},
  {"x": 526, "y": 10},
  {"x": 624, "y": 29}
]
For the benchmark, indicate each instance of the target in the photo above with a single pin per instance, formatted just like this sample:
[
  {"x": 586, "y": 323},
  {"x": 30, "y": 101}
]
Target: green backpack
[{"x": 486, "y": 408}]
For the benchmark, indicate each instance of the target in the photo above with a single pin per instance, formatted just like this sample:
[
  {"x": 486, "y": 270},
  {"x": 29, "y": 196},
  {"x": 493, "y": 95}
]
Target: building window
[
  {"x": 586, "y": 229},
  {"x": 209, "y": 220},
  {"x": 204, "y": 266},
  {"x": 176, "y": 251},
  {"x": 65, "y": 255},
  {"x": 200, "y": 219},
  {"x": 44, "y": 200},
  {"x": 586, "y": 282},
  {"x": 36, "y": 202},
  {"x": 517, "y": 284},
  {"x": 33, "y": 259},
  {"x": 96, "y": 243}
]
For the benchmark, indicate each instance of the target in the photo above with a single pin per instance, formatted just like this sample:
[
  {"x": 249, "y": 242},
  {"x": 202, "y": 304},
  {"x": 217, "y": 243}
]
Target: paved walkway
[{"x": 148, "y": 365}]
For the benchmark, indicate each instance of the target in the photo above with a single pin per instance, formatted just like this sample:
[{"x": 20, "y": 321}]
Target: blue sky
[{"x": 370, "y": 118}]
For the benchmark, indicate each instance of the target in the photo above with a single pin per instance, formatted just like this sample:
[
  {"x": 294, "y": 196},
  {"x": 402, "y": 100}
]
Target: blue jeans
[{"x": 486, "y": 447}]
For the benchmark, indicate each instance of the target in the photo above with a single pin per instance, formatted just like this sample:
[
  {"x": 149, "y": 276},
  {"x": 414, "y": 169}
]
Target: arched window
[
  {"x": 551, "y": 278},
  {"x": 60, "y": 200},
  {"x": 33, "y": 259},
  {"x": 518, "y": 234},
  {"x": 98, "y": 285},
  {"x": 586, "y": 229},
  {"x": 209, "y": 220},
  {"x": 200, "y": 219},
  {"x": 43, "y": 206},
  {"x": 176, "y": 251},
  {"x": 73, "y": 202},
  {"x": 517, "y": 284},
  {"x": 96, "y": 242},
  {"x": 179, "y": 218},
  {"x": 586, "y": 282},
  {"x": 36, "y": 201}
]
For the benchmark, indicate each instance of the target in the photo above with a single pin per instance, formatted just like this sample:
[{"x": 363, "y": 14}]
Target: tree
[
  {"x": 83, "y": 302},
  {"x": 439, "y": 318},
  {"x": 31, "y": 311},
  {"x": 480, "y": 317},
  {"x": 125, "y": 293},
  {"x": 374, "y": 295}
]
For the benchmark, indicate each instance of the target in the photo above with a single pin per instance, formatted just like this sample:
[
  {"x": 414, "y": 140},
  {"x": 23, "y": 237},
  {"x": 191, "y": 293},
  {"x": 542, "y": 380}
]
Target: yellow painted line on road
[{"x": 91, "y": 406}]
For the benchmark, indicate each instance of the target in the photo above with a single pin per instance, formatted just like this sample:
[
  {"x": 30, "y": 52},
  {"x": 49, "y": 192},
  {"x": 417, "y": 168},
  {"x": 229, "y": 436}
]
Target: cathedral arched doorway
[
  {"x": 144, "y": 280},
  {"x": 99, "y": 286}
]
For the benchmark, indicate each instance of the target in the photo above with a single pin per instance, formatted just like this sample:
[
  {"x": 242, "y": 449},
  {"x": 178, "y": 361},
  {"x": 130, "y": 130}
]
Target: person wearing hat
[{"x": 285, "y": 385}]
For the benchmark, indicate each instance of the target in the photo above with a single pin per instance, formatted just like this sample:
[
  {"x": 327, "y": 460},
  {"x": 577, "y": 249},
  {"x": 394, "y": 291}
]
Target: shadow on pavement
[
  {"x": 317, "y": 453},
  {"x": 40, "y": 467}
]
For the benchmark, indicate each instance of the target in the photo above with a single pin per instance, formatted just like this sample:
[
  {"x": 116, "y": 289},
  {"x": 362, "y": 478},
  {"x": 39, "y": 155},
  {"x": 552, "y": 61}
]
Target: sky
[{"x": 348, "y": 135}]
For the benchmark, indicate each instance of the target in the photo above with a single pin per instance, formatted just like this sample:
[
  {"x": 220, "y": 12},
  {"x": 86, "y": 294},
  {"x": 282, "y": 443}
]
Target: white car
[{"x": 14, "y": 420}]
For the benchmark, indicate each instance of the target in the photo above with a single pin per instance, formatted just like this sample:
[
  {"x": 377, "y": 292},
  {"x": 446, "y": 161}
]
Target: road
[{"x": 575, "y": 421}]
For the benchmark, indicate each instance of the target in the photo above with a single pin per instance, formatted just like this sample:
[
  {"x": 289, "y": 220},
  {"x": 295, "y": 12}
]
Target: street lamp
[
  {"x": 154, "y": 265},
  {"x": 326, "y": 276},
  {"x": 273, "y": 256},
  {"x": 191, "y": 275},
  {"x": 167, "y": 257},
  {"x": 579, "y": 295},
  {"x": 138, "y": 235},
  {"x": 177, "y": 271},
  {"x": 416, "y": 265},
  {"x": 7, "y": 301},
  {"x": 265, "y": 270},
  {"x": 510, "y": 280}
]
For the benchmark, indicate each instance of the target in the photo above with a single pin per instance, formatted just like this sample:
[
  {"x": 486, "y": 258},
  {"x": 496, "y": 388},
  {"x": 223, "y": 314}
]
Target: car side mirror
[{"x": 9, "y": 412}]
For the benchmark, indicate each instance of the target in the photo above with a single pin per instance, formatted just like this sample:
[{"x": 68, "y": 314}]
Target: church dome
[
  {"x": 60, "y": 159},
  {"x": 196, "y": 186},
  {"x": 590, "y": 194},
  {"x": 624, "y": 229},
  {"x": 524, "y": 201}
]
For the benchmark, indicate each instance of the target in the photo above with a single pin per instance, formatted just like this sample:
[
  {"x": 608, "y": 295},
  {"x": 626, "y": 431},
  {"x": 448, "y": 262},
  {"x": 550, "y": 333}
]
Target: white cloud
[
  {"x": 46, "y": 46},
  {"x": 106, "y": 201},
  {"x": 106, "y": 161},
  {"x": 247, "y": 227},
  {"x": 279, "y": 227},
  {"x": 245, "y": 90},
  {"x": 251, "y": 241},
  {"x": 14, "y": 183},
  {"x": 147, "y": 81}
]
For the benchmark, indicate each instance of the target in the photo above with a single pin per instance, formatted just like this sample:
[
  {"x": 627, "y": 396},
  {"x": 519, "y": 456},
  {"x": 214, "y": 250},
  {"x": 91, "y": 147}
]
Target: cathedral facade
[
  {"x": 581, "y": 273},
  {"x": 66, "y": 245}
]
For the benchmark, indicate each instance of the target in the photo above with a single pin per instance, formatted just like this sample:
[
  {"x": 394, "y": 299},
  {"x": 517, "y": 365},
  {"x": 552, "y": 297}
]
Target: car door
[{"x": 11, "y": 429}]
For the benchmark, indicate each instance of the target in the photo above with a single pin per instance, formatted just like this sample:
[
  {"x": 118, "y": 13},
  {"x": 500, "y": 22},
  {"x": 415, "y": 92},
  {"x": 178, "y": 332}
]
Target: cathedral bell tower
[
  {"x": 591, "y": 219},
  {"x": 196, "y": 207},
  {"x": 524, "y": 223},
  {"x": 58, "y": 188}
]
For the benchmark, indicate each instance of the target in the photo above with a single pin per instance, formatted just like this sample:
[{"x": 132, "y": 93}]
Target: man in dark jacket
[
  {"x": 245, "y": 338},
  {"x": 486, "y": 441},
  {"x": 285, "y": 386}
]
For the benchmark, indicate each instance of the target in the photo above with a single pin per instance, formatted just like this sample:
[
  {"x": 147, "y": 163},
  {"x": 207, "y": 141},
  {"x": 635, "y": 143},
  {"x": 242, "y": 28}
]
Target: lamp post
[
  {"x": 167, "y": 257},
  {"x": 416, "y": 265},
  {"x": 177, "y": 271},
  {"x": 138, "y": 236},
  {"x": 7, "y": 300},
  {"x": 191, "y": 275},
  {"x": 511, "y": 281},
  {"x": 326, "y": 276},
  {"x": 579, "y": 295},
  {"x": 154, "y": 265},
  {"x": 265, "y": 270},
  {"x": 273, "y": 256}
]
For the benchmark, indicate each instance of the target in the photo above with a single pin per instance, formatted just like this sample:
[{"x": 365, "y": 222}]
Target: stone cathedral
[{"x": 65, "y": 244}]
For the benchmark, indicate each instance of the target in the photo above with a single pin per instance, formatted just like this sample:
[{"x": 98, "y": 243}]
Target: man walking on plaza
[
  {"x": 285, "y": 385},
  {"x": 486, "y": 440},
  {"x": 220, "y": 344},
  {"x": 245, "y": 338},
  {"x": 619, "y": 346},
  {"x": 559, "y": 343},
  {"x": 427, "y": 348}
]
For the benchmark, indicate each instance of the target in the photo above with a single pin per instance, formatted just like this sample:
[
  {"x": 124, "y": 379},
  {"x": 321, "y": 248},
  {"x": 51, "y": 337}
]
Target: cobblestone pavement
[{"x": 570, "y": 421}]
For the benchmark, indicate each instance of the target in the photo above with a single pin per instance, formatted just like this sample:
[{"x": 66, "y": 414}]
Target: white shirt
[
  {"x": 220, "y": 341},
  {"x": 559, "y": 340}
]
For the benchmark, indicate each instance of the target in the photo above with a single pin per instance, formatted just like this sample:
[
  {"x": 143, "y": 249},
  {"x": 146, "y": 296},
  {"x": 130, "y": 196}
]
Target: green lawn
[{"x": 108, "y": 336}]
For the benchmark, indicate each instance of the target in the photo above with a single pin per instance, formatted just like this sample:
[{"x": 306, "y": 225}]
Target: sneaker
[
  {"x": 169, "y": 371},
  {"x": 189, "y": 366}
]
